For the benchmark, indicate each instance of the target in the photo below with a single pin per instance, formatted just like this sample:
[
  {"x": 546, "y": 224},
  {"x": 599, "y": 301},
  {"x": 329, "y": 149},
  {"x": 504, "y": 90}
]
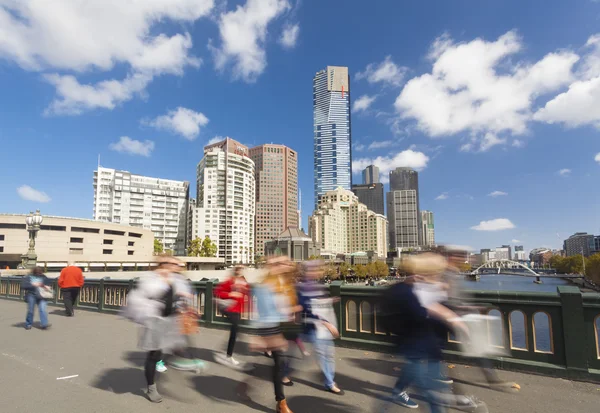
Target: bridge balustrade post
[
  {"x": 335, "y": 290},
  {"x": 101, "y": 294},
  {"x": 574, "y": 331},
  {"x": 209, "y": 307}
]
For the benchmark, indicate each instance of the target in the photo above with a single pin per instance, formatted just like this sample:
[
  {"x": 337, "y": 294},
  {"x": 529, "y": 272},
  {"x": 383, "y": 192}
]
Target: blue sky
[{"x": 482, "y": 97}]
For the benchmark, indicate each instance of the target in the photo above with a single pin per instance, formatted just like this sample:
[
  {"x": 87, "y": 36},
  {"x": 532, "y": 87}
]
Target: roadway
[{"x": 100, "y": 351}]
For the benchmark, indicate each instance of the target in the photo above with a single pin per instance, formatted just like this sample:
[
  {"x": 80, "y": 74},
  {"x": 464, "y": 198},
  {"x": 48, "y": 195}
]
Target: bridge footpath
[{"x": 100, "y": 350}]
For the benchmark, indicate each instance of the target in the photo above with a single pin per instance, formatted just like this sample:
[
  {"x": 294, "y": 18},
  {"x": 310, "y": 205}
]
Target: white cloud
[
  {"x": 580, "y": 104},
  {"x": 597, "y": 157},
  {"x": 289, "y": 36},
  {"x": 75, "y": 98},
  {"x": 497, "y": 224},
  {"x": 358, "y": 147},
  {"x": 181, "y": 121},
  {"x": 132, "y": 146},
  {"x": 215, "y": 140},
  {"x": 496, "y": 194},
  {"x": 243, "y": 33},
  {"x": 98, "y": 35},
  {"x": 381, "y": 144},
  {"x": 470, "y": 90},
  {"x": 515, "y": 241},
  {"x": 29, "y": 194},
  {"x": 386, "y": 72},
  {"x": 363, "y": 103},
  {"x": 407, "y": 158},
  {"x": 518, "y": 143},
  {"x": 564, "y": 172},
  {"x": 442, "y": 197}
]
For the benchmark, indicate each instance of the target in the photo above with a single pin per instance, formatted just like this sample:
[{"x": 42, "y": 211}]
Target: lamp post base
[{"x": 28, "y": 261}]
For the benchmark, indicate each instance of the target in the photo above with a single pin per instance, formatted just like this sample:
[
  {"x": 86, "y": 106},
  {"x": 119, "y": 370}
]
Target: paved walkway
[{"x": 101, "y": 350}]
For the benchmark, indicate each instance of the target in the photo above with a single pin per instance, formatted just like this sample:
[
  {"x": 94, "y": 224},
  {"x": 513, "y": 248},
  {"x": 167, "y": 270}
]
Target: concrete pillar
[{"x": 574, "y": 330}]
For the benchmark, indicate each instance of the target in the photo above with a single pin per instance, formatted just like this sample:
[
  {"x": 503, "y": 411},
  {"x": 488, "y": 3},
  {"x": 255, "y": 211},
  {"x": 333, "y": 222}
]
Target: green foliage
[
  {"x": 313, "y": 257},
  {"x": 464, "y": 267},
  {"x": 158, "y": 246},
  {"x": 567, "y": 265},
  {"x": 202, "y": 248},
  {"x": 344, "y": 270},
  {"x": 330, "y": 271},
  {"x": 360, "y": 271},
  {"x": 592, "y": 268},
  {"x": 380, "y": 269}
]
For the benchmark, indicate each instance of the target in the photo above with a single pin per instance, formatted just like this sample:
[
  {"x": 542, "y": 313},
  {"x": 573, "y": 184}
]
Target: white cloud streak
[
  {"x": 442, "y": 197},
  {"x": 181, "y": 121},
  {"x": 381, "y": 144},
  {"x": 597, "y": 157},
  {"x": 496, "y": 194},
  {"x": 132, "y": 146},
  {"x": 564, "y": 172},
  {"x": 386, "y": 72},
  {"x": 407, "y": 158},
  {"x": 515, "y": 241},
  {"x": 363, "y": 103},
  {"x": 497, "y": 224},
  {"x": 29, "y": 194},
  {"x": 215, "y": 140},
  {"x": 243, "y": 34},
  {"x": 289, "y": 36}
]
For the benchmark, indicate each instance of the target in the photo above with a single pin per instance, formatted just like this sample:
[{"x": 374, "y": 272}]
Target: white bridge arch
[{"x": 504, "y": 264}]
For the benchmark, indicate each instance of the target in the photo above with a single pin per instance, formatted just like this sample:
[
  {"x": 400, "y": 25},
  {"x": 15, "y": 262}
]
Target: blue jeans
[
  {"x": 326, "y": 355},
  {"x": 422, "y": 374},
  {"x": 32, "y": 300}
]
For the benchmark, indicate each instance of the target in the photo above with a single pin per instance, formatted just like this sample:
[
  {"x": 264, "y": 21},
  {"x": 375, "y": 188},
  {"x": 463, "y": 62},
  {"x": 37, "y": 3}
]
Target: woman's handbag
[{"x": 46, "y": 293}]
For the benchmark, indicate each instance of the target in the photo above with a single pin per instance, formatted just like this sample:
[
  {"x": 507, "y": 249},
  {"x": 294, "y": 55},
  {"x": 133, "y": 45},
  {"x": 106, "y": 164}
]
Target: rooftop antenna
[{"x": 98, "y": 161}]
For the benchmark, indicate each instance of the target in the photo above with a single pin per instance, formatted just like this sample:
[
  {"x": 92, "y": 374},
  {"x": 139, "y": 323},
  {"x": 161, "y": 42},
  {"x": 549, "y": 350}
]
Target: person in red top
[
  {"x": 231, "y": 293},
  {"x": 70, "y": 282}
]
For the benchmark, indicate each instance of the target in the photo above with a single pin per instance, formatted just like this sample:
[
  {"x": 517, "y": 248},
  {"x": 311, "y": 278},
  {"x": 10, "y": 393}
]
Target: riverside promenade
[{"x": 91, "y": 363}]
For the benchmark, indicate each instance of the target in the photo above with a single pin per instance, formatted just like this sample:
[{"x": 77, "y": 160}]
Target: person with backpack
[
  {"x": 231, "y": 295},
  {"x": 38, "y": 289}
]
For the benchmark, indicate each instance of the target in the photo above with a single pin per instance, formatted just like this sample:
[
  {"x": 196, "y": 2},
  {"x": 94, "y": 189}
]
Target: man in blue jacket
[{"x": 34, "y": 285}]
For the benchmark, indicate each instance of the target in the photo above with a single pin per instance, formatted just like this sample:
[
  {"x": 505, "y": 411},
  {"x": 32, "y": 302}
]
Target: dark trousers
[
  {"x": 278, "y": 374},
  {"x": 152, "y": 358},
  {"x": 234, "y": 319},
  {"x": 69, "y": 298}
]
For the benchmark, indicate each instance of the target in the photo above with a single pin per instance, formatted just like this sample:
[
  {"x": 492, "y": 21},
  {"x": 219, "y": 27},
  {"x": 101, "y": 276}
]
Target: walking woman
[
  {"x": 37, "y": 290},
  {"x": 272, "y": 308},
  {"x": 231, "y": 294},
  {"x": 153, "y": 304}
]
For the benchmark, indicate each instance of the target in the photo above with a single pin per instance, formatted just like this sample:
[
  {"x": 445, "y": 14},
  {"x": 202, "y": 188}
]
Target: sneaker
[
  {"x": 404, "y": 400},
  {"x": 444, "y": 379},
  {"x": 46, "y": 327},
  {"x": 160, "y": 367},
  {"x": 469, "y": 404},
  {"x": 232, "y": 361},
  {"x": 27, "y": 327},
  {"x": 306, "y": 353}
]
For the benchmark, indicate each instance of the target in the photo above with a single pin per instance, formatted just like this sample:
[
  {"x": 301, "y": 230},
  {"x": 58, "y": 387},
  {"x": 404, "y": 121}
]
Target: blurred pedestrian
[
  {"x": 70, "y": 282},
  {"x": 38, "y": 289},
  {"x": 231, "y": 295},
  {"x": 153, "y": 304},
  {"x": 321, "y": 322}
]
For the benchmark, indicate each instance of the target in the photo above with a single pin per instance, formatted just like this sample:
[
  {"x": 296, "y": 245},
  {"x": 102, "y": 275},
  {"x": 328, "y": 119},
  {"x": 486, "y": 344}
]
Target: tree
[
  {"x": 209, "y": 248},
  {"x": 360, "y": 271},
  {"x": 158, "y": 246},
  {"x": 344, "y": 270},
  {"x": 592, "y": 268},
  {"x": 313, "y": 257},
  {"x": 330, "y": 271},
  {"x": 380, "y": 269},
  {"x": 464, "y": 267},
  {"x": 194, "y": 247}
]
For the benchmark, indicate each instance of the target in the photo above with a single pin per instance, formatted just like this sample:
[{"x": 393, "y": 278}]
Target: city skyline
[{"x": 494, "y": 172}]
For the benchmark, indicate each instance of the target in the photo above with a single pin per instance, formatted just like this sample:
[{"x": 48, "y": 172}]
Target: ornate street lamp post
[{"x": 33, "y": 221}]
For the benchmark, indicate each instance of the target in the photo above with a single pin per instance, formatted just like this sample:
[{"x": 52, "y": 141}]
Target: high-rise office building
[
  {"x": 370, "y": 175},
  {"x": 160, "y": 205},
  {"x": 342, "y": 225},
  {"x": 276, "y": 176},
  {"x": 427, "y": 228},
  {"x": 371, "y": 195},
  {"x": 404, "y": 214},
  {"x": 332, "y": 130},
  {"x": 519, "y": 253},
  {"x": 580, "y": 243},
  {"x": 403, "y": 218},
  {"x": 503, "y": 253},
  {"x": 226, "y": 200}
]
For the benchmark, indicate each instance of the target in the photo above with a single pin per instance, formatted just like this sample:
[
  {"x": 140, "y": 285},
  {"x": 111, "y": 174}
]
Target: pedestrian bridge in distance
[
  {"x": 90, "y": 363},
  {"x": 511, "y": 267}
]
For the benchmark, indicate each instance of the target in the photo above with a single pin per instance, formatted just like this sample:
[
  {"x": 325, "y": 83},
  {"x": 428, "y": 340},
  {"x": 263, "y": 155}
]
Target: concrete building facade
[
  {"x": 371, "y": 195},
  {"x": 226, "y": 200},
  {"x": 276, "y": 183},
  {"x": 370, "y": 175},
  {"x": 342, "y": 225},
  {"x": 88, "y": 243},
  {"x": 293, "y": 243},
  {"x": 332, "y": 130},
  {"x": 404, "y": 219},
  {"x": 427, "y": 228},
  {"x": 580, "y": 243},
  {"x": 159, "y": 205}
]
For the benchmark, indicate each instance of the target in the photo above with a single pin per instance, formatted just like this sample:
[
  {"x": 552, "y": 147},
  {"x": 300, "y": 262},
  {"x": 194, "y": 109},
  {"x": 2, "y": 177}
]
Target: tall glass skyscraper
[
  {"x": 332, "y": 131},
  {"x": 404, "y": 215}
]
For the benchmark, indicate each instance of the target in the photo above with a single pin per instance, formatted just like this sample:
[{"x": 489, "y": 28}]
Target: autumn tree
[
  {"x": 158, "y": 246},
  {"x": 360, "y": 271}
]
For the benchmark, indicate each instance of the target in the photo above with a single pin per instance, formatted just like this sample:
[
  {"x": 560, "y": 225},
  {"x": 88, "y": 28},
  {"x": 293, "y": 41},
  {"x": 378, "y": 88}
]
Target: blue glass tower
[{"x": 332, "y": 131}]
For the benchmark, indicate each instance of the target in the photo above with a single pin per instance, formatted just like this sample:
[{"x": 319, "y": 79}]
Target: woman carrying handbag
[{"x": 38, "y": 289}]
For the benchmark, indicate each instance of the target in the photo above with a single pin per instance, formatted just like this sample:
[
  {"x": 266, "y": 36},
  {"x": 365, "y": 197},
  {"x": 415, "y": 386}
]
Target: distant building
[
  {"x": 343, "y": 225},
  {"x": 404, "y": 215},
  {"x": 580, "y": 243},
  {"x": 487, "y": 255},
  {"x": 293, "y": 243},
  {"x": 332, "y": 130},
  {"x": 371, "y": 195},
  {"x": 276, "y": 174},
  {"x": 427, "y": 228},
  {"x": 156, "y": 204},
  {"x": 503, "y": 253},
  {"x": 475, "y": 260},
  {"x": 540, "y": 257},
  {"x": 226, "y": 200},
  {"x": 519, "y": 253},
  {"x": 370, "y": 175}
]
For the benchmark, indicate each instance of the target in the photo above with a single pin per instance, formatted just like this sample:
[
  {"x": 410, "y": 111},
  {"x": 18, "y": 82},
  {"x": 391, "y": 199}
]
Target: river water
[{"x": 503, "y": 282}]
